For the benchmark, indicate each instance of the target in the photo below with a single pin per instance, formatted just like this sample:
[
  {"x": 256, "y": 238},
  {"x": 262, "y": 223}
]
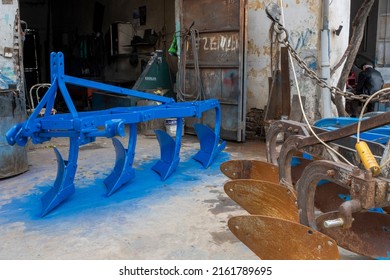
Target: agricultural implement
[
  {"x": 321, "y": 189},
  {"x": 83, "y": 127},
  {"x": 305, "y": 189}
]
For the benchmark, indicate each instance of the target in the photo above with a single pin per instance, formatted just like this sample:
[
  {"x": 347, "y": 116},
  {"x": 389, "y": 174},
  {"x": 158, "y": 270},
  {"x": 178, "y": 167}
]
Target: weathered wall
[
  {"x": 9, "y": 45},
  {"x": 303, "y": 20},
  {"x": 13, "y": 159}
]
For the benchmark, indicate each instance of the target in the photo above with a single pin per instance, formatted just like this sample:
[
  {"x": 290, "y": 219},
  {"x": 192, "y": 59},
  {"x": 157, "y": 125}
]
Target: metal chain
[{"x": 283, "y": 36}]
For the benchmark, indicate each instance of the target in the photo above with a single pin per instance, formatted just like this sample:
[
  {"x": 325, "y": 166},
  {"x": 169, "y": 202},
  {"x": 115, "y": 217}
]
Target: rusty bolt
[
  {"x": 330, "y": 173},
  {"x": 356, "y": 171},
  {"x": 296, "y": 130},
  {"x": 289, "y": 129}
]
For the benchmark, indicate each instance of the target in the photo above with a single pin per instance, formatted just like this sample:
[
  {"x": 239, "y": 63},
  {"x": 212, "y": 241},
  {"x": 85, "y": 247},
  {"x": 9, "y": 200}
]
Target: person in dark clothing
[{"x": 369, "y": 81}]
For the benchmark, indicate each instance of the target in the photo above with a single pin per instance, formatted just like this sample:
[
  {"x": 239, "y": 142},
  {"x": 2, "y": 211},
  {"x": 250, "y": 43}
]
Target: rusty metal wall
[{"x": 221, "y": 26}]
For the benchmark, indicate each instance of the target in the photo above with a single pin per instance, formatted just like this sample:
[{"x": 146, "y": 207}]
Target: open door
[{"x": 221, "y": 40}]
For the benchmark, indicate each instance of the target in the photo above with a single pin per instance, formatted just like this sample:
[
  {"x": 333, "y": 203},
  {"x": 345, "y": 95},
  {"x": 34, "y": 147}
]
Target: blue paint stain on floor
[{"x": 90, "y": 199}]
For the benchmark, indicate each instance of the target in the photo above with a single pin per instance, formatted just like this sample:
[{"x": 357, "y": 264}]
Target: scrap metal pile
[
  {"x": 83, "y": 127},
  {"x": 304, "y": 202}
]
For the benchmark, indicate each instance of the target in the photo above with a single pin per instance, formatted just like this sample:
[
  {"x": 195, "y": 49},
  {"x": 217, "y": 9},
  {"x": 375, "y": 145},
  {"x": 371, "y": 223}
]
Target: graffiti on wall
[
  {"x": 301, "y": 39},
  {"x": 217, "y": 42},
  {"x": 217, "y": 48}
]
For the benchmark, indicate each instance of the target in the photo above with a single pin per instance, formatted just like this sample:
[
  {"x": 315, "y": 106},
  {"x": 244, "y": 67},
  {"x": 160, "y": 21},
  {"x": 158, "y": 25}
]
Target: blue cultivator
[{"x": 83, "y": 127}]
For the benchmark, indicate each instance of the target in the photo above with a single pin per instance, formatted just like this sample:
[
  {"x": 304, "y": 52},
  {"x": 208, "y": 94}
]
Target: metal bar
[
  {"x": 366, "y": 124},
  {"x": 115, "y": 89}
]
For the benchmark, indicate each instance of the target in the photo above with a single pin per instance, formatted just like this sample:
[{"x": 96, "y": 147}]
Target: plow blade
[
  {"x": 369, "y": 235},
  {"x": 277, "y": 239},
  {"x": 63, "y": 185},
  {"x": 210, "y": 145},
  {"x": 263, "y": 198},
  {"x": 169, "y": 150},
  {"x": 250, "y": 169},
  {"x": 260, "y": 170},
  {"x": 123, "y": 171}
]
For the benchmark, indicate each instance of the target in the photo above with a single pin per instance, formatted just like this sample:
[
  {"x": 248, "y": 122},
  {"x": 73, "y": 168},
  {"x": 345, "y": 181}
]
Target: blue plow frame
[{"x": 83, "y": 128}]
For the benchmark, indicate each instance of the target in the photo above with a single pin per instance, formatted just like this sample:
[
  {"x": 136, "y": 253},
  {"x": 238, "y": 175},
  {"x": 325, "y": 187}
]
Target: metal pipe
[
  {"x": 325, "y": 64},
  {"x": 334, "y": 223}
]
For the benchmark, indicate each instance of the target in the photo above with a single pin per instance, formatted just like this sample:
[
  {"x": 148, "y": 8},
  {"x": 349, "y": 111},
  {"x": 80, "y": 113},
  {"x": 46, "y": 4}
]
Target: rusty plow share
[{"x": 83, "y": 127}]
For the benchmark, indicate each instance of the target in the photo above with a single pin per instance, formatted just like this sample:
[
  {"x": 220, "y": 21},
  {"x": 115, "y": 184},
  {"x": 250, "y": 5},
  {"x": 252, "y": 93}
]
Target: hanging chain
[{"x": 282, "y": 36}]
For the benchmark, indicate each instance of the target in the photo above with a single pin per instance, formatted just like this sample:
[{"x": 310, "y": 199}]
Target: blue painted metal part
[
  {"x": 210, "y": 143},
  {"x": 83, "y": 127},
  {"x": 169, "y": 150},
  {"x": 123, "y": 170},
  {"x": 63, "y": 185}
]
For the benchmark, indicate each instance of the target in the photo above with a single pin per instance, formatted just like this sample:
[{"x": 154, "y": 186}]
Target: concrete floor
[{"x": 184, "y": 217}]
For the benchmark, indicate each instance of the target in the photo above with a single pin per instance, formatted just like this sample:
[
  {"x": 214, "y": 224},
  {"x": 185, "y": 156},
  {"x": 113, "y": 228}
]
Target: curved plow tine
[
  {"x": 123, "y": 170},
  {"x": 263, "y": 198},
  {"x": 277, "y": 239},
  {"x": 210, "y": 145},
  {"x": 169, "y": 150},
  {"x": 63, "y": 185},
  {"x": 369, "y": 235},
  {"x": 250, "y": 169}
]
